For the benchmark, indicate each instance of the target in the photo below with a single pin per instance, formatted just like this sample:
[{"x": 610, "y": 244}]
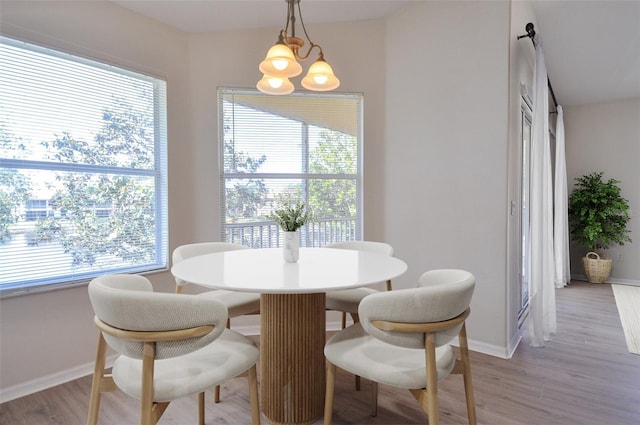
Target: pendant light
[{"x": 281, "y": 62}]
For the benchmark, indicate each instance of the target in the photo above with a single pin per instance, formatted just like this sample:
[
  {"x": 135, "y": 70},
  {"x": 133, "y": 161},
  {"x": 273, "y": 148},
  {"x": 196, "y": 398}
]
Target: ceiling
[
  {"x": 222, "y": 15},
  {"x": 592, "y": 47}
]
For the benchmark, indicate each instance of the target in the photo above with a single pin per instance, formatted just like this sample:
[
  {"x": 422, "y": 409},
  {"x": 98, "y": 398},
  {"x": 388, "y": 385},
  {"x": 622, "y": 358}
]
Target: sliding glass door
[{"x": 525, "y": 259}]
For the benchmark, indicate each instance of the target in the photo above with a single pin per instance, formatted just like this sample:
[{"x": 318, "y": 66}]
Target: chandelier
[{"x": 280, "y": 63}]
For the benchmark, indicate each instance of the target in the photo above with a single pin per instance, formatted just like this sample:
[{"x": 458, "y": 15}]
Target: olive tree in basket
[{"x": 598, "y": 217}]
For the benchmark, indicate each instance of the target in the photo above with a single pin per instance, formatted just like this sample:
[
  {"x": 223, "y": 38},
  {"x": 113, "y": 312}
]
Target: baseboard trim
[
  {"x": 49, "y": 381},
  {"x": 513, "y": 344},
  {"x": 489, "y": 349},
  {"x": 632, "y": 282}
]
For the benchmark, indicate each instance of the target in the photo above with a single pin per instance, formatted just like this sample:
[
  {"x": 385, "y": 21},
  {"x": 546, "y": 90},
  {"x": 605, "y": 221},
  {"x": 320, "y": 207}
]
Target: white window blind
[
  {"x": 83, "y": 187},
  {"x": 305, "y": 146}
]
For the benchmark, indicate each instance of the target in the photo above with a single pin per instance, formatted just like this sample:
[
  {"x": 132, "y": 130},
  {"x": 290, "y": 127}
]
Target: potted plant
[
  {"x": 291, "y": 216},
  {"x": 598, "y": 217}
]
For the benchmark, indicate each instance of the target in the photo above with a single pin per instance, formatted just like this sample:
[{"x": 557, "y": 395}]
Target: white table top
[{"x": 264, "y": 270}]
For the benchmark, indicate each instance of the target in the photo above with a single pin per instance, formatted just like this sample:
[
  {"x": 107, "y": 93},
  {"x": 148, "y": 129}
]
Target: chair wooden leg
[
  {"x": 146, "y": 398},
  {"x": 216, "y": 390},
  {"x": 253, "y": 396},
  {"x": 98, "y": 373},
  {"x": 356, "y": 319},
  {"x": 466, "y": 375},
  {"x": 201, "y": 408},
  {"x": 432, "y": 379},
  {"x": 374, "y": 399},
  {"x": 328, "y": 398}
]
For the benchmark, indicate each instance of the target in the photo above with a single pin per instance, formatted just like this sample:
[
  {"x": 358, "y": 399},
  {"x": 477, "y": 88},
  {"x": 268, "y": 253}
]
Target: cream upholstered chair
[
  {"x": 170, "y": 346},
  {"x": 348, "y": 300},
  {"x": 403, "y": 338},
  {"x": 238, "y": 303}
]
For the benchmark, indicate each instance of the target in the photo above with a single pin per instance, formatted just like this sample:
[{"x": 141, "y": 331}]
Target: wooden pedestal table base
[{"x": 292, "y": 364}]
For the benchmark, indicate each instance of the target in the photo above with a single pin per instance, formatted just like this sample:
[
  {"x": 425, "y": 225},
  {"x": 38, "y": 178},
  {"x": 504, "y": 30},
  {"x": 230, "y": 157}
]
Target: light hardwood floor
[{"x": 584, "y": 376}]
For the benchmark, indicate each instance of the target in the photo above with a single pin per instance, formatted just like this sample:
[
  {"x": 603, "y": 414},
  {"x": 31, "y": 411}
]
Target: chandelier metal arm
[
  {"x": 295, "y": 44},
  {"x": 311, "y": 47}
]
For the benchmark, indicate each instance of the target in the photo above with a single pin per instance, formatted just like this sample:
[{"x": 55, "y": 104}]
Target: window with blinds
[
  {"x": 274, "y": 149},
  {"x": 83, "y": 178}
]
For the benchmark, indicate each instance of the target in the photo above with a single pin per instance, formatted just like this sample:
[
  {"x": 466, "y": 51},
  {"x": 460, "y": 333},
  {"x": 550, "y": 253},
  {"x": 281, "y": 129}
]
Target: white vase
[{"x": 291, "y": 247}]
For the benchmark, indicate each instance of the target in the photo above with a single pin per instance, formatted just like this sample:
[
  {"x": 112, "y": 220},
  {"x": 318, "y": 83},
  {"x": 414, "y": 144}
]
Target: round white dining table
[{"x": 292, "y": 314}]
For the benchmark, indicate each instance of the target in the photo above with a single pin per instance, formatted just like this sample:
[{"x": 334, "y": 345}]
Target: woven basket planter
[{"x": 597, "y": 269}]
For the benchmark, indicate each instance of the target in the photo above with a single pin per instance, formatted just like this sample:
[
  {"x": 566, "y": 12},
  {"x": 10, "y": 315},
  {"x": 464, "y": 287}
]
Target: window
[
  {"x": 83, "y": 179},
  {"x": 307, "y": 146}
]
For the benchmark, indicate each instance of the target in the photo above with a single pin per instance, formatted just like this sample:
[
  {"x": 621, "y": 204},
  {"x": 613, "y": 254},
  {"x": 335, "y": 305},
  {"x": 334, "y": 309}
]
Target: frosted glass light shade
[
  {"x": 280, "y": 62},
  {"x": 275, "y": 85},
  {"x": 320, "y": 77}
]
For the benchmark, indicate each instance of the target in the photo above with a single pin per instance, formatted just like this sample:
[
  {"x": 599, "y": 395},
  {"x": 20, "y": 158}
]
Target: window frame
[
  {"x": 158, "y": 172},
  {"x": 307, "y": 232}
]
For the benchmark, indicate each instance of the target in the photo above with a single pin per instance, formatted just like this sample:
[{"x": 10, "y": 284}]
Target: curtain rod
[{"x": 530, "y": 33}]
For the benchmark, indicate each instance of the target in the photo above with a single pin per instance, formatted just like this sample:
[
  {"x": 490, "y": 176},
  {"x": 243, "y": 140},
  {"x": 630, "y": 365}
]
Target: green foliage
[
  {"x": 598, "y": 214},
  {"x": 335, "y": 154},
  {"x": 46, "y": 230},
  {"x": 105, "y": 216},
  {"x": 291, "y": 216},
  {"x": 14, "y": 189},
  {"x": 243, "y": 197}
]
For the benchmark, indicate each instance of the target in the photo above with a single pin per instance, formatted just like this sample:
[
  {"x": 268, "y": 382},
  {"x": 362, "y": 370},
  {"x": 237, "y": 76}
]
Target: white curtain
[
  {"x": 560, "y": 205},
  {"x": 542, "y": 315}
]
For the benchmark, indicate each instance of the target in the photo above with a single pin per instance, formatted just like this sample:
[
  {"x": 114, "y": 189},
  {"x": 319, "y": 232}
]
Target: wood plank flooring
[{"x": 584, "y": 376}]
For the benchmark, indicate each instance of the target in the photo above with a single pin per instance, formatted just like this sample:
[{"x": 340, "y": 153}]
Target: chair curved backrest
[
  {"x": 191, "y": 250},
  {"x": 441, "y": 295},
  {"x": 371, "y": 246},
  {"x": 128, "y": 303},
  {"x": 381, "y": 247}
]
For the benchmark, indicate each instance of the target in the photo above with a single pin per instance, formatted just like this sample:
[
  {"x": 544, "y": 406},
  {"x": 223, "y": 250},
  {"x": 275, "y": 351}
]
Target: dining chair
[
  {"x": 169, "y": 346},
  {"x": 348, "y": 300},
  {"x": 402, "y": 340},
  {"x": 238, "y": 303}
]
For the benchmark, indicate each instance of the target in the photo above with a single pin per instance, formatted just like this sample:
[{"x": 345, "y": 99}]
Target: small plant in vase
[
  {"x": 291, "y": 216},
  {"x": 599, "y": 216}
]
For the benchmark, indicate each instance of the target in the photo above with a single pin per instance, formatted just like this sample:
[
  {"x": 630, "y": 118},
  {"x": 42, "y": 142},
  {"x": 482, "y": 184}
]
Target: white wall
[
  {"x": 606, "y": 137},
  {"x": 446, "y": 151}
]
